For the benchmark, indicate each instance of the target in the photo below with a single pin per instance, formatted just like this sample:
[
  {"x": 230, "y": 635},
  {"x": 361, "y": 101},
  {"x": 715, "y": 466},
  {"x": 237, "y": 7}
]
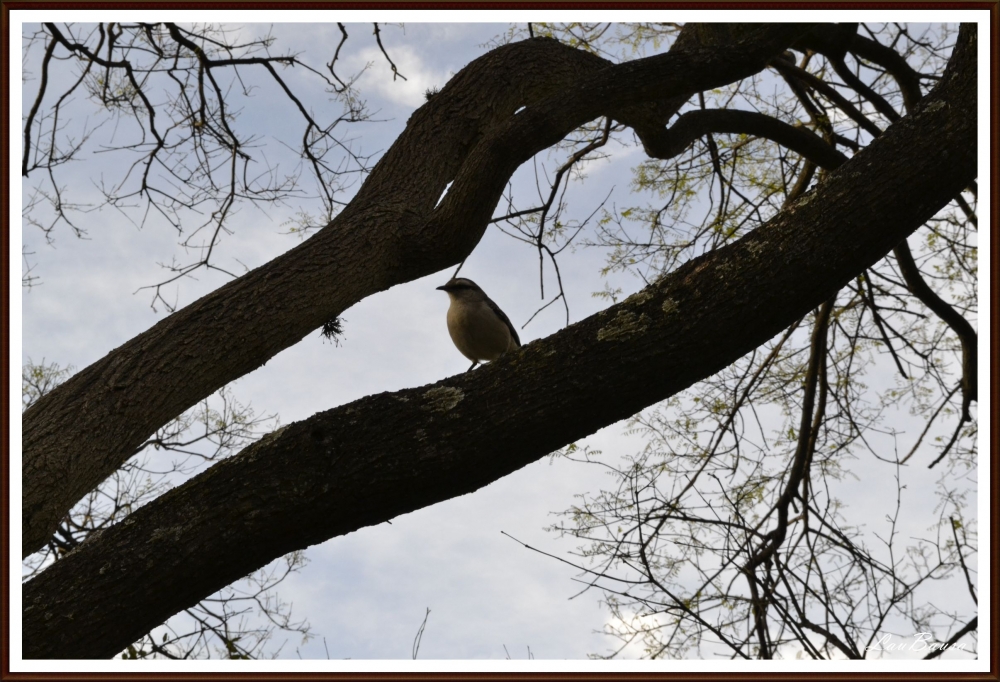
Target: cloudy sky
[{"x": 365, "y": 594}]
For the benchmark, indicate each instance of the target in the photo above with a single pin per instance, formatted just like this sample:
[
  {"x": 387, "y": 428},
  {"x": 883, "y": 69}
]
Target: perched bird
[{"x": 478, "y": 328}]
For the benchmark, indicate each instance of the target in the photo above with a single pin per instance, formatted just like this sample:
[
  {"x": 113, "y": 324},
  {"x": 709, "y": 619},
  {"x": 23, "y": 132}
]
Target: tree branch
[
  {"x": 966, "y": 334},
  {"x": 693, "y": 124},
  {"x": 966, "y": 629}
]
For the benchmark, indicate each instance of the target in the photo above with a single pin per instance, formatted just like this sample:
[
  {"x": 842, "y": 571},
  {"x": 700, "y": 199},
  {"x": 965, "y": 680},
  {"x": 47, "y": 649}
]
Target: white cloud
[{"x": 408, "y": 92}]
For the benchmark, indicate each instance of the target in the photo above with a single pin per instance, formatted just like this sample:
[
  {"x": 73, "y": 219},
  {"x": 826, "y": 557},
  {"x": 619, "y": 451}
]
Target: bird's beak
[{"x": 443, "y": 287}]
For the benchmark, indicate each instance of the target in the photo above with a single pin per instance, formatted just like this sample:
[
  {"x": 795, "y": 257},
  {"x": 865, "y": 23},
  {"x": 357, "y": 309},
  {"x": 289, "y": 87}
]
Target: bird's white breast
[{"x": 476, "y": 331}]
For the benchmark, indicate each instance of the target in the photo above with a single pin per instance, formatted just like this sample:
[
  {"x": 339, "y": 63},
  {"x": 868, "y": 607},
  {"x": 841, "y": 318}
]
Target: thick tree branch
[
  {"x": 392, "y": 232},
  {"x": 693, "y": 124},
  {"x": 385, "y": 455}
]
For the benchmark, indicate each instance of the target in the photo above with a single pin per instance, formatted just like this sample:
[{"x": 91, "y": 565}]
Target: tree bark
[
  {"x": 392, "y": 232},
  {"x": 385, "y": 455}
]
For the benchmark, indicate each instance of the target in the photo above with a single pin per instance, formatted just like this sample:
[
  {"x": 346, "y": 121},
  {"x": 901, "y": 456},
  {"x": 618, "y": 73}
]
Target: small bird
[{"x": 478, "y": 328}]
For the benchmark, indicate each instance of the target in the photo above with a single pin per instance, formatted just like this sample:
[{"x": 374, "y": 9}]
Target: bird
[{"x": 478, "y": 328}]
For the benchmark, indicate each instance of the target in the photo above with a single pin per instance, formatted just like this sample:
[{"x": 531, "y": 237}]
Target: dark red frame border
[{"x": 993, "y": 321}]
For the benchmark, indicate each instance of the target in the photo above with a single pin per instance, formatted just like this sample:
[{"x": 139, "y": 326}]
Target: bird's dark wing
[{"x": 506, "y": 320}]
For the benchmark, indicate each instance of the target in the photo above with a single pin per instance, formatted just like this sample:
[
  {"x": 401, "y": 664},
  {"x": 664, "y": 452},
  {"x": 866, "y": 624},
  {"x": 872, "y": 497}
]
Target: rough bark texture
[
  {"x": 385, "y": 455},
  {"x": 694, "y": 124},
  {"x": 392, "y": 232}
]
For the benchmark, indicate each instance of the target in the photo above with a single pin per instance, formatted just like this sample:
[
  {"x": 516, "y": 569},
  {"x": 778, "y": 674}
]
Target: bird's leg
[{"x": 476, "y": 362}]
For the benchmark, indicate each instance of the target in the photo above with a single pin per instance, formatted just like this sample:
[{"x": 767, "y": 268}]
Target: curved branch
[
  {"x": 966, "y": 334},
  {"x": 893, "y": 62},
  {"x": 693, "y": 124}
]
